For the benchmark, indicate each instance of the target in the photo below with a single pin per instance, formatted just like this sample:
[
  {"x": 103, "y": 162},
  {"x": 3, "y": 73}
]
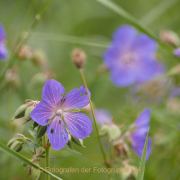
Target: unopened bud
[
  {"x": 111, "y": 130},
  {"x": 169, "y": 37},
  {"x": 41, "y": 77},
  {"x": 17, "y": 142},
  {"x": 128, "y": 171},
  {"x": 39, "y": 59},
  {"x": 121, "y": 149},
  {"x": 78, "y": 58},
  {"x": 23, "y": 112}
]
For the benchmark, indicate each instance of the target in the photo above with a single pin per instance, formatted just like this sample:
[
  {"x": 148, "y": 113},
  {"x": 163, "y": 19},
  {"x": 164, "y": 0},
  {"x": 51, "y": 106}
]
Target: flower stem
[
  {"x": 47, "y": 161},
  {"x": 46, "y": 146},
  {"x": 94, "y": 119}
]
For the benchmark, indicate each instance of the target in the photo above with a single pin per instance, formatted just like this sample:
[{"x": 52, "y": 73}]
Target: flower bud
[
  {"x": 17, "y": 142},
  {"x": 121, "y": 149},
  {"x": 23, "y": 112},
  {"x": 78, "y": 58},
  {"x": 39, "y": 59},
  {"x": 128, "y": 171},
  {"x": 111, "y": 130},
  {"x": 169, "y": 37},
  {"x": 41, "y": 77}
]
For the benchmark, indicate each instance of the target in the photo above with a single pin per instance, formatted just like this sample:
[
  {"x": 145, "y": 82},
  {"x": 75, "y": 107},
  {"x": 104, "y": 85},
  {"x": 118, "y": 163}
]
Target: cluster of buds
[
  {"x": 17, "y": 142},
  {"x": 37, "y": 57},
  {"x": 38, "y": 154}
]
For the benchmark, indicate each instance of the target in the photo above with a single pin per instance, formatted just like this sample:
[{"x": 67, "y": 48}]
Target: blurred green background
[{"x": 69, "y": 24}]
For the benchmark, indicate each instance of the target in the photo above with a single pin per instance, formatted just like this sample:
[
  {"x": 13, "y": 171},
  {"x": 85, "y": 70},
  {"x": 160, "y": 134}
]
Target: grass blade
[
  {"x": 157, "y": 11},
  {"x": 133, "y": 21},
  {"x": 25, "y": 160},
  {"x": 142, "y": 163},
  {"x": 69, "y": 39}
]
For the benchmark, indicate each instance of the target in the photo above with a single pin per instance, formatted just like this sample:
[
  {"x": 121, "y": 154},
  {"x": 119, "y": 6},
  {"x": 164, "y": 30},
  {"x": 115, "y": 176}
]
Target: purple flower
[
  {"x": 138, "y": 136},
  {"x": 3, "y": 50},
  {"x": 131, "y": 57},
  {"x": 177, "y": 52},
  {"x": 59, "y": 113},
  {"x": 103, "y": 117}
]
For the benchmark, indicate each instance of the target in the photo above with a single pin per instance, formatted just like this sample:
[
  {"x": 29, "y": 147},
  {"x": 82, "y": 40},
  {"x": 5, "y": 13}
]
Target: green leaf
[
  {"x": 25, "y": 160},
  {"x": 142, "y": 163}
]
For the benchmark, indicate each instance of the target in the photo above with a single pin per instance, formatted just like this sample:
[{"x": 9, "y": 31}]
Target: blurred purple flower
[
  {"x": 3, "y": 50},
  {"x": 131, "y": 58},
  {"x": 138, "y": 136},
  {"x": 177, "y": 52},
  {"x": 58, "y": 112},
  {"x": 103, "y": 117}
]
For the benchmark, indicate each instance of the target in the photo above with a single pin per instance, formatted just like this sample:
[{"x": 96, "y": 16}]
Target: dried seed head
[
  {"x": 78, "y": 57},
  {"x": 25, "y": 52}
]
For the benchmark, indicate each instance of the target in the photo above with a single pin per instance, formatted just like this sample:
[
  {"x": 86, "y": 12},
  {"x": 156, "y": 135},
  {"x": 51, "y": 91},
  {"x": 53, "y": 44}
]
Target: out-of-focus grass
[{"x": 87, "y": 20}]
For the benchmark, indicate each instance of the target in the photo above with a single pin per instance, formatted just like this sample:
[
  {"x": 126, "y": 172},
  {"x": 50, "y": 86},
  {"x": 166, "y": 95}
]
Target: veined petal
[
  {"x": 143, "y": 119},
  {"x": 2, "y": 34},
  {"x": 79, "y": 125},
  {"x": 138, "y": 145},
  {"x": 124, "y": 36},
  {"x": 41, "y": 113},
  {"x": 122, "y": 77},
  {"x": 52, "y": 92},
  {"x": 148, "y": 69},
  {"x": 145, "y": 46},
  {"x": 77, "y": 98},
  {"x": 3, "y": 51},
  {"x": 103, "y": 116},
  {"x": 57, "y": 134}
]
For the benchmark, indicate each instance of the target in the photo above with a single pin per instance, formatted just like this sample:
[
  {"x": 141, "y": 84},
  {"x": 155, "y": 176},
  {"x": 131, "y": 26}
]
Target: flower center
[
  {"x": 59, "y": 112},
  {"x": 129, "y": 58}
]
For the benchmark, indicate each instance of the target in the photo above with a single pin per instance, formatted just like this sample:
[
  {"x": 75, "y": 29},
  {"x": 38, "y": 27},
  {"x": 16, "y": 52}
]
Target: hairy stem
[{"x": 94, "y": 119}]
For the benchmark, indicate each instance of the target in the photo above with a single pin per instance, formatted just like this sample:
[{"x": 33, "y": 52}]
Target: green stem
[
  {"x": 46, "y": 146},
  {"x": 94, "y": 119},
  {"x": 27, "y": 161},
  {"x": 47, "y": 160}
]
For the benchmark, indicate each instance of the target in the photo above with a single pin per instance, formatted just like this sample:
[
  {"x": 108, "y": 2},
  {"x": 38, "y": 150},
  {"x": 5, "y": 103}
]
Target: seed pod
[{"x": 78, "y": 58}]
